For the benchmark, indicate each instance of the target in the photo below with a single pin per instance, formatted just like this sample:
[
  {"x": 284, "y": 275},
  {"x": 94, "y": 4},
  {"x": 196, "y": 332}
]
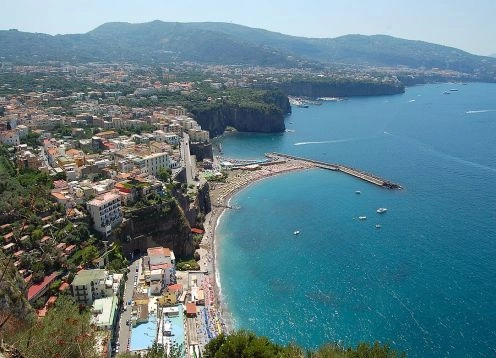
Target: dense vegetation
[
  {"x": 243, "y": 344},
  {"x": 222, "y": 43},
  {"x": 23, "y": 193},
  {"x": 64, "y": 332}
]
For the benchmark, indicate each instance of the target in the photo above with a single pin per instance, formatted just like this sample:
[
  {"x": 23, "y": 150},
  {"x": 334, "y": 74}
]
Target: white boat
[
  {"x": 381, "y": 210},
  {"x": 358, "y": 192},
  {"x": 297, "y": 232},
  {"x": 362, "y": 218},
  {"x": 378, "y": 226}
]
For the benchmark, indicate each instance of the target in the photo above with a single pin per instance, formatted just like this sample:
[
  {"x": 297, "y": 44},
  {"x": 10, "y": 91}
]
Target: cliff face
[
  {"x": 153, "y": 226},
  {"x": 244, "y": 119},
  {"x": 201, "y": 150},
  {"x": 314, "y": 89},
  {"x": 260, "y": 110},
  {"x": 195, "y": 211}
]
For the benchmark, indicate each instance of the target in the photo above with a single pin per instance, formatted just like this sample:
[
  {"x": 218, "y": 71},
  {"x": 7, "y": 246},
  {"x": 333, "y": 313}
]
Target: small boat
[
  {"x": 297, "y": 232},
  {"x": 358, "y": 192},
  {"x": 453, "y": 89},
  {"x": 362, "y": 218},
  {"x": 446, "y": 92},
  {"x": 381, "y": 210},
  {"x": 378, "y": 226}
]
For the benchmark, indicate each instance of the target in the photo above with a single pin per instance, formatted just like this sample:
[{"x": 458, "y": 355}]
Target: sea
[{"x": 425, "y": 281}]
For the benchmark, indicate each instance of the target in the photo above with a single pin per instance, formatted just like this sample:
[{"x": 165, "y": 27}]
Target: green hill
[{"x": 223, "y": 43}]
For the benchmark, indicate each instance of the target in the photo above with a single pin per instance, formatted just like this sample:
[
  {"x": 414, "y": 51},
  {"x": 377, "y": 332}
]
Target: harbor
[{"x": 357, "y": 173}]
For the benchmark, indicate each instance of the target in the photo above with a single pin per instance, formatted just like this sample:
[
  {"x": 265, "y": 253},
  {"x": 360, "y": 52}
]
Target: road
[
  {"x": 125, "y": 330},
  {"x": 186, "y": 157}
]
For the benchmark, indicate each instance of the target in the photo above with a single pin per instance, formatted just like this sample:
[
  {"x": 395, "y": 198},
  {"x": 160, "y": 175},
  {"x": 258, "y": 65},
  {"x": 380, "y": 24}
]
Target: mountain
[{"x": 223, "y": 43}]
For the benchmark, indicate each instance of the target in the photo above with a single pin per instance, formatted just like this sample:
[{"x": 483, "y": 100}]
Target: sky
[{"x": 467, "y": 25}]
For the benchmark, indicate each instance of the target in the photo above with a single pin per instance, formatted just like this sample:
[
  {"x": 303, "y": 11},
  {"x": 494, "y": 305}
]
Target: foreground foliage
[
  {"x": 64, "y": 332},
  {"x": 243, "y": 344}
]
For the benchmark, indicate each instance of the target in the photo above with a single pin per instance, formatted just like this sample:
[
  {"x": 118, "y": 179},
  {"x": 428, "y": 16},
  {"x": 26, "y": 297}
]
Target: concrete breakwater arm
[{"x": 371, "y": 178}]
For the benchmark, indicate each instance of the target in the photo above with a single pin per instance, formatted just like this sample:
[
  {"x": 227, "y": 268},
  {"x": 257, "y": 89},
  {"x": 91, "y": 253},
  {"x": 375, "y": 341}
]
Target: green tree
[
  {"x": 37, "y": 234},
  {"x": 64, "y": 332},
  {"x": 165, "y": 175},
  {"x": 88, "y": 254}
]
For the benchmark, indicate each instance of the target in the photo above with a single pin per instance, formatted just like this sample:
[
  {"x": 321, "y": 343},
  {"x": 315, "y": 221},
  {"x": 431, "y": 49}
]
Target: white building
[
  {"x": 89, "y": 285},
  {"x": 10, "y": 137},
  {"x": 105, "y": 210},
  {"x": 198, "y": 135},
  {"x": 104, "y": 312},
  {"x": 155, "y": 161}
]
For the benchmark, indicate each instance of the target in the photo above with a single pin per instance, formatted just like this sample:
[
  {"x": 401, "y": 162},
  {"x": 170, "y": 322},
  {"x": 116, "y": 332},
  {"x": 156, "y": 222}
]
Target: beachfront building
[
  {"x": 105, "y": 210},
  {"x": 89, "y": 285}
]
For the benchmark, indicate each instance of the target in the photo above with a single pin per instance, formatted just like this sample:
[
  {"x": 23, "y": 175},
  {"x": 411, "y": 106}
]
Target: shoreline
[{"x": 221, "y": 194}]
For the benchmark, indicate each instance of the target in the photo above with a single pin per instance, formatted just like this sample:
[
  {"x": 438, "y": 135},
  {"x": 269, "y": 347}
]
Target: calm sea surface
[{"x": 425, "y": 283}]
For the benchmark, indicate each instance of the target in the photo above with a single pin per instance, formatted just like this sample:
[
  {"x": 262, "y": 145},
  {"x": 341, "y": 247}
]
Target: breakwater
[{"x": 371, "y": 178}]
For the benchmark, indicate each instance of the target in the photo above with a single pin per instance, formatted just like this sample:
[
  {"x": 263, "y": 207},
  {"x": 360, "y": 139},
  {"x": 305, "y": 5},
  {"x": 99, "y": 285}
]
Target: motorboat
[
  {"x": 381, "y": 210},
  {"x": 362, "y": 218},
  {"x": 297, "y": 232},
  {"x": 378, "y": 226},
  {"x": 358, "y": 192}
]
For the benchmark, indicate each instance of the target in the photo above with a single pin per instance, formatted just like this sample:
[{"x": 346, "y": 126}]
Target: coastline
[{"x": 220, "y": 196}]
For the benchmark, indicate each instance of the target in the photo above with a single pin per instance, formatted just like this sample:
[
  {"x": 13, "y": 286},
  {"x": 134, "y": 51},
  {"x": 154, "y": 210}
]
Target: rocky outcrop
[
  {"x": 263, "y": 113},
  {"x": 342, "y": 88},
  {"x": 156, "y": 225},
  {"x": 195, "y": 210},
  {"x": 215, "y": 119},
  {"x": 201, "y": 150}
]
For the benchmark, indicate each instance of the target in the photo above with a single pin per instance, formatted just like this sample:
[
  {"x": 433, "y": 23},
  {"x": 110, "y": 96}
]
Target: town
[{"x": 104, "y": 163}]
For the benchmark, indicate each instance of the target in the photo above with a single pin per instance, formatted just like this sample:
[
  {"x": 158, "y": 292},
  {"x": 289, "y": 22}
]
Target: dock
[{"x": 371, "y": 178}]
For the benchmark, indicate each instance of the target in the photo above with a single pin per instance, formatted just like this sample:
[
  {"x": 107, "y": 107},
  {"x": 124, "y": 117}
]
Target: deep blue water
[{"x": 425, "y": 282}]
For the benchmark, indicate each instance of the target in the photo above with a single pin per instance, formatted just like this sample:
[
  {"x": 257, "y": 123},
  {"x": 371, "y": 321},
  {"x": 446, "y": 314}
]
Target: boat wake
[
  {"x": 481, "y": 111},
  {"x": 327, "y": 141},
  {"x": 429, "y": 149}
]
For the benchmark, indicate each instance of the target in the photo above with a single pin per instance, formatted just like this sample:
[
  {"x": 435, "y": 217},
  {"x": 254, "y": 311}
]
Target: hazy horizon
[{"x": 423, "y": 20}]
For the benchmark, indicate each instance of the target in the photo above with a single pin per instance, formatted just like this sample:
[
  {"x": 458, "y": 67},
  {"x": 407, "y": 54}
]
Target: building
[
  {"x": 105, "y": 210},
  {"x": 89, "y": 285},
  {"x": 39, "y": 289},
  {"x": 160, "y": 255},
  {"x": 154, "y": 162},
  {"x": 10, "y": 137},
  {"x": 104, "y": 312}
]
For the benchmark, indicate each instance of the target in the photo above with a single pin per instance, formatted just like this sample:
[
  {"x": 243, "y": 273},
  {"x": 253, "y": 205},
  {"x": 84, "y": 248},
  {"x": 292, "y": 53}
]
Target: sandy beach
[{"x": 220, "y": 194}]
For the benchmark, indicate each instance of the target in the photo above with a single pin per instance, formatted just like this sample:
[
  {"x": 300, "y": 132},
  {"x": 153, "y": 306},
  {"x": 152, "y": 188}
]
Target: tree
[
  {"x": 64, "y": 332},
  {"x": 243, "y": 344},
  {"x": 88, "y": 254},
  {"x": 36, "y": 234},
  {"x": 165, "y": 175}
]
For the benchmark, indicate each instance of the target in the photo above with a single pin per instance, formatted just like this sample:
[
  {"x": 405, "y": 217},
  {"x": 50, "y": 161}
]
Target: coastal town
[{"x": 106, "y": 162}]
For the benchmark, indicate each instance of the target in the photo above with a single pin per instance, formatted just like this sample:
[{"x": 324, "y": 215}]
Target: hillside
[{"x": 223, "y": 43}]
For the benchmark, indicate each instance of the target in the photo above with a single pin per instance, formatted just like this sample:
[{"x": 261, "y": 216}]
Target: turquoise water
[{"x": 423, "y": 283}]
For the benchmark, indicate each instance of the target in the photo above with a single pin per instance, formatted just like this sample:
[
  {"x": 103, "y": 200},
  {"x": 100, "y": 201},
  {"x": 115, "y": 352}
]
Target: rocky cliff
[
  {"x": 342, "y": 88},
  {"x": 245, "y": 119},
  {"x": 156, "y": 225},
  {"x": 196, "y": 209},
  {"x": 264, "y": 112}
]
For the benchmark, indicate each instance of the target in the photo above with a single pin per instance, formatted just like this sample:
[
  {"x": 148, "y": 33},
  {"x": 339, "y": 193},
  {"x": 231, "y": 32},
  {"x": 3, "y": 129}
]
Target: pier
[{"x": 371, "y": 178}]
